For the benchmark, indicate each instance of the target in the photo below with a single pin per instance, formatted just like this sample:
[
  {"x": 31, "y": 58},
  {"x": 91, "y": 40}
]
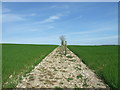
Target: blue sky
[{"x": 87, "y": 23}]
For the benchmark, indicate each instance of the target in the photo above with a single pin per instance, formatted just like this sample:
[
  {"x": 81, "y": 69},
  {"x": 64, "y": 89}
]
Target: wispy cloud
[
  {"x": 31, "y": 14},
  {"x": 50, "y": 19},
  {"x": 9, "y": 16},
  {"x": 6, "y": 10},
  {"x": 62, "y": 6},
  {"x": 45, "y": 22},
  {"x": 12, "y": 18},
  {"x": 91, "y": 31},
  {"x": 40, "y": 29},
  {"x": 40, "y": 40},
  {"x": 100, "y": 38},
  {"x": 54, "y": 6},
  {"x": 25, "y": 28},
  {"x": 95, "y": 40}
]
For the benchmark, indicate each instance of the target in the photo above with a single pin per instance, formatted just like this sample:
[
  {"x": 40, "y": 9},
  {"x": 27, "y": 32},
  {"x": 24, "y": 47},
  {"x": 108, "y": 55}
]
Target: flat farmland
[
  {"x": 18, "y": 59},
  {"x": 103, "y": 60}
]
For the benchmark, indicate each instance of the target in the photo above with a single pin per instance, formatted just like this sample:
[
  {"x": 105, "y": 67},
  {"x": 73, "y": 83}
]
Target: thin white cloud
[
  {"x": 63, "y": 6},
  {"x": 9, "y": 17},
  {"x": 25, "y": 28},
  {"x": 32, "y": 14},
  {"x": 101, "y": 38},
  {"x": 39, "y": 29},
  {"x": 91, "y": 31},
  {"x": 6, "y": 10},
  {"x": 12, "y": 18},
  {"x": 54, "y": 6},
  {"x": 41, "y": 40},
  {"x": 50, "y": 19},
  {"x": 95, "y": 40}
]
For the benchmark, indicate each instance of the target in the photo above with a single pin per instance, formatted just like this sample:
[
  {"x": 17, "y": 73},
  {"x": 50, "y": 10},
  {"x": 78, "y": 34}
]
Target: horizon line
[{"x": 58, "y": 44}]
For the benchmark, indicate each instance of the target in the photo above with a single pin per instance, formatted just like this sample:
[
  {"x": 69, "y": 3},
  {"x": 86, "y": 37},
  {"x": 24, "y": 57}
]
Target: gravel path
[{"x": 57, "y": 70}]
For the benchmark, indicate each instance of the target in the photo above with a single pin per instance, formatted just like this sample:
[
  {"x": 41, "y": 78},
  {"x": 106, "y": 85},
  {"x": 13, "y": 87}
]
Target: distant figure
[{"x": 63, "y": 48}]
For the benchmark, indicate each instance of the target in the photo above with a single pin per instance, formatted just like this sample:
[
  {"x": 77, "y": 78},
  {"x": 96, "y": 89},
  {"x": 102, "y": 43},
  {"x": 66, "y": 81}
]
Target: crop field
[
  {"x": 18, "y": 59},
  {"x": 0, "y": 66},
  {"x": 103, "y": 60}
]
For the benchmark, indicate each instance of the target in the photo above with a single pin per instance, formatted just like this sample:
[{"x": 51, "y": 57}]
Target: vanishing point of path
[{"x": 57, "y": 70}]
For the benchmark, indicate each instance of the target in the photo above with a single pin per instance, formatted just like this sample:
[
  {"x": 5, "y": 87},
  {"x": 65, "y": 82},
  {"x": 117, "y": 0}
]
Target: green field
[
  {"x": 0, "y": 66},
  {"x": 18, "y": 59},
  {"x": 103, "y": 60}
]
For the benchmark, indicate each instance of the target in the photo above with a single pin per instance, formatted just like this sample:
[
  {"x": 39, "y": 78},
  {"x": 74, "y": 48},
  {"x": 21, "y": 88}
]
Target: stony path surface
[{"x": 57, "y": 70}]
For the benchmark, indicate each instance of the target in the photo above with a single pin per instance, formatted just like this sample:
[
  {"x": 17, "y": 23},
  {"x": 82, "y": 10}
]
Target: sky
[{"x": 82, "y": 23}]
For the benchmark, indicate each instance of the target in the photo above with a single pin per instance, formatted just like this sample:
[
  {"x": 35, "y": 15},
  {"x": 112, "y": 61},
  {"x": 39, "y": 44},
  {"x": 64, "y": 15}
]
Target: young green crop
[
  {"x": 18, "y": 59},
  {"x": 102, "y": 59}
]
